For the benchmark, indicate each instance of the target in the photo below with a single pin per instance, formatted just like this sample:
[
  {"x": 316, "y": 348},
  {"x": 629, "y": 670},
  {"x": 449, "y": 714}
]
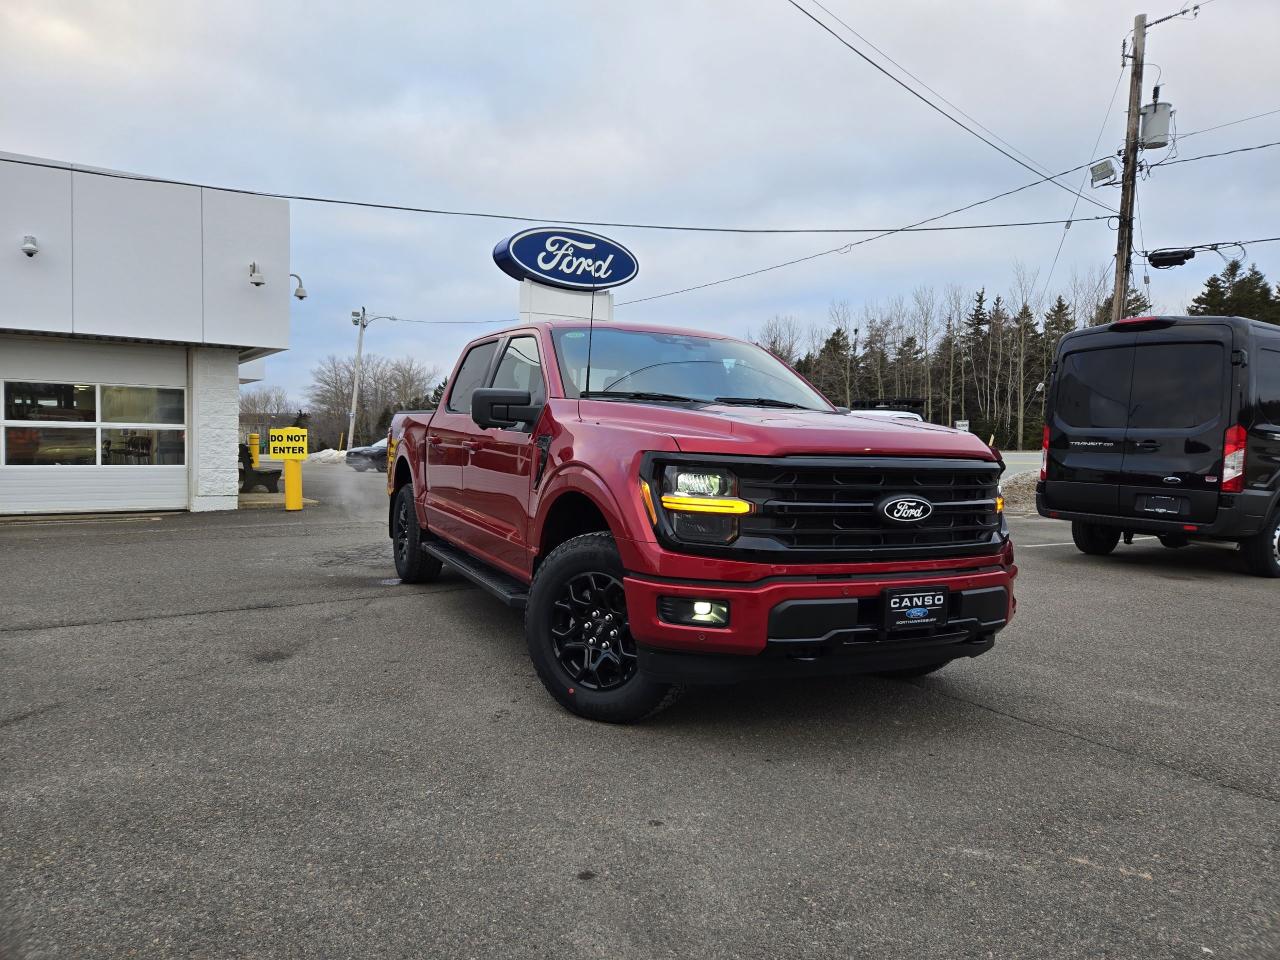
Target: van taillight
[
  {"x": 1044, "y": 453},
  {"x": 1233, "y": 449}
]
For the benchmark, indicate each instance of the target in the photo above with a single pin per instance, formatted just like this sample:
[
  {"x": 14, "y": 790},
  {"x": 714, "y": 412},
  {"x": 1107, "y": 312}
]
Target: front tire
[
  {"x": 1262, "y": 552},
  {"x": 412, "y": 565},
  {"x": 579, "y": 639},
  {"x": 1094, "y": 540}
]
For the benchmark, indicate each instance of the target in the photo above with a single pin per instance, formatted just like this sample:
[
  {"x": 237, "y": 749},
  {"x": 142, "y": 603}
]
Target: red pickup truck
[{"x": 672, "y": 507}]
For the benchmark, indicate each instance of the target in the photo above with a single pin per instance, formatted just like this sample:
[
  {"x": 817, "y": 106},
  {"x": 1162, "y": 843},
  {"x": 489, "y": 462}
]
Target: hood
[{"x": 765, "y": 432}]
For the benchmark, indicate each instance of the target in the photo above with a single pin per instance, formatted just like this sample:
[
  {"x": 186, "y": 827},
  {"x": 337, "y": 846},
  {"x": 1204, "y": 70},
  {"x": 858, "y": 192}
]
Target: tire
[
  {"x": 412, "y": 565},
  {"x": 575, "y": 624},
  {"x": 1094, "y": 540},
  {"x": 1173, "y": 541},
  {"x": 1262, "y": 552},
  {"x": 911, "y": 673}
]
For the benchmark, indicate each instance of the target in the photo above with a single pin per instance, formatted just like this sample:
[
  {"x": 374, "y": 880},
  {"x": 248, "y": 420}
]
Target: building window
[
  {"x": 50, "y": 401},
  {"x": 143, "y": 405},
  {"x": 77, "y": 424}
]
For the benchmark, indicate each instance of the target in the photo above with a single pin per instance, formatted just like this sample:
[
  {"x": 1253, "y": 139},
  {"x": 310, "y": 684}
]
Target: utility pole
[
  {"x": 1129, "y": 177},
  {"x": 361, "y": 320}
]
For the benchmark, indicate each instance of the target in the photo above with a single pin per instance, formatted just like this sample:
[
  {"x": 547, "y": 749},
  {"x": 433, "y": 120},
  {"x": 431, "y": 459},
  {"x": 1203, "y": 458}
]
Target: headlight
[{"x": 702, "y": 502}]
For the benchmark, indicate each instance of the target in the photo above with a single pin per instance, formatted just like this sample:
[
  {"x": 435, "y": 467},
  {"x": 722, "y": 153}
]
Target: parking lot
[{"x": 229, "y": 735}]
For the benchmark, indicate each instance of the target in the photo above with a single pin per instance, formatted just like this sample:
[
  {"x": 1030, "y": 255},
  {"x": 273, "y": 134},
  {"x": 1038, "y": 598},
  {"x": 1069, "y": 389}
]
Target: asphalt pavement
[{"x": 237, "y": 735}]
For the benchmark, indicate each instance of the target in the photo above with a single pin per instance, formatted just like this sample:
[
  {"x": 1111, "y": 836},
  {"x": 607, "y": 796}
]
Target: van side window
[
  {"x": 1177, "y": 385},
  {"x": 470, "y": 375},
  {"x": 1268, "y": 379},
  {"x": 1093, "y": 388}
]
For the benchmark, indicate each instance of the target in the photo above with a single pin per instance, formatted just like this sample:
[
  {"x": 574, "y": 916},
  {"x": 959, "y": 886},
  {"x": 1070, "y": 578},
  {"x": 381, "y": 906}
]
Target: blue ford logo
[
  {"x": 571, "y": 259},
  {"x": 906, "y": 509},
  {"x": 917, "y": 613}
]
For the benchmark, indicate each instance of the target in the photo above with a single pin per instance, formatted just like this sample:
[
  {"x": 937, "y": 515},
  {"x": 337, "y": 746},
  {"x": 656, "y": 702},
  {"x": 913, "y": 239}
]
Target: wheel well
[
  {"x": 572, "y": 515},
  {"x": 402, "y": 476}
]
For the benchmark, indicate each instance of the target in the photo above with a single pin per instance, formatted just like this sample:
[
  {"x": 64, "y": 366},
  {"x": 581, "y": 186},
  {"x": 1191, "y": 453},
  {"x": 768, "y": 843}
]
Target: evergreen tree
[
  {"x": 1058, "y": 322},
  {"x": 437, "y": 395},
  {"x": 1236, "y": 292},
  {"x": 1135, "y": 305}
]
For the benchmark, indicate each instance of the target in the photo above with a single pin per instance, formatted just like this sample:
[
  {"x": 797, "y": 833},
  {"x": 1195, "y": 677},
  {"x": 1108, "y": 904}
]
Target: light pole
[{"x": 361, "y": 319}]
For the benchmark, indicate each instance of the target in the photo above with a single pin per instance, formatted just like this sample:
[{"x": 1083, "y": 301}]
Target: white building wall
[
  {"x": 213, "y": 440},
  {"x": 35, "y": 292}
]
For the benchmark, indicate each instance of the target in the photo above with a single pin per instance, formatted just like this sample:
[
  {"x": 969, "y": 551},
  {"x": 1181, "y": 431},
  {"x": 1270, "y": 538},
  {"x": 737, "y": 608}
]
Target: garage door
[{"x": 88, "y": 427}]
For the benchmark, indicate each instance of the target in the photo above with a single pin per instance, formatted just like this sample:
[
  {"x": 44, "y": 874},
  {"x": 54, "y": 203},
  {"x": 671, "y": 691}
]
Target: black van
[{"x": 1170, "y": 426}]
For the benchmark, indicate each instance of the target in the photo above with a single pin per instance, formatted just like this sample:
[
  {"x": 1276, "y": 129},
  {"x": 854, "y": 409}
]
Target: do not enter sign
[{"x": 288, "y": 443}]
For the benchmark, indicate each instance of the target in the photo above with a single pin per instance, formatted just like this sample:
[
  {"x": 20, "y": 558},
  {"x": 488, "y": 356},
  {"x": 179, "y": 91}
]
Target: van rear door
[
  {"x": 1179, "y": 410},
  {"x": 1088, "y": 423}
]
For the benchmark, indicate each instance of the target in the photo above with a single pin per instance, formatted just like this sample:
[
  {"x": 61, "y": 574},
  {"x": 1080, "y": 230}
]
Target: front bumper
[{"x": 803, "y": 625}]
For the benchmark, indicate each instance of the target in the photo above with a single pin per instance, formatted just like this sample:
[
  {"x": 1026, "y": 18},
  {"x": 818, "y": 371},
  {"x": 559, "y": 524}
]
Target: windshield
[{"x": 675, "y": 367}]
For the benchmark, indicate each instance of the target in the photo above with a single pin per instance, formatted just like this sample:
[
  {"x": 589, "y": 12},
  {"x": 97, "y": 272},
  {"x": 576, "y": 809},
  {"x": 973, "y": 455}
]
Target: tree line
[{"x": 959, "y": 354}]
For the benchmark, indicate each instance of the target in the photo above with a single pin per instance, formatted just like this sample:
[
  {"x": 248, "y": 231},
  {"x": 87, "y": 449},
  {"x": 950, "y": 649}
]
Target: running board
[{"x": 506, "y": 588}]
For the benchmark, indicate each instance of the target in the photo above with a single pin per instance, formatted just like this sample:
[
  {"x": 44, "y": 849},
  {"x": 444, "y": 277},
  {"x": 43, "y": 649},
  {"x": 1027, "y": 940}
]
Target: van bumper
[
  {"x": 1240, "y": 515},
  {"x": 784, "y": 626}
]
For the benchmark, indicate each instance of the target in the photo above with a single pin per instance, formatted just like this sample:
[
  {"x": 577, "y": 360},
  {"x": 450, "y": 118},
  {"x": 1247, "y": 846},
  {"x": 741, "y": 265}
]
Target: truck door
[
  {"x": 450, "y": 439},
  {"x": 499, "y": 476},
  {"x": 1179, "y": 410},
  {"x": 1087, "y": 425}
]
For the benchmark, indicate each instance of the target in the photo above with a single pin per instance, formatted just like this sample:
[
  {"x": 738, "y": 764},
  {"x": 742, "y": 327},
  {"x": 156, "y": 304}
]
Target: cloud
[{"x": 712, "y": 112}]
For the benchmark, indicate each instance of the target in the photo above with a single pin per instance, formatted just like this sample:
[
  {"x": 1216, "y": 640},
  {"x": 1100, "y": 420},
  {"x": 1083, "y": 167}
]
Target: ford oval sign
[
  {"x": 570, "y": 259},
  {"x": 906, "y": 509}
]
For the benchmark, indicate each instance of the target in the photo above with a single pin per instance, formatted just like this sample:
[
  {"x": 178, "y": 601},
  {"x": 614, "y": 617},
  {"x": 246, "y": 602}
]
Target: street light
[{"x": 359, "y": 318}]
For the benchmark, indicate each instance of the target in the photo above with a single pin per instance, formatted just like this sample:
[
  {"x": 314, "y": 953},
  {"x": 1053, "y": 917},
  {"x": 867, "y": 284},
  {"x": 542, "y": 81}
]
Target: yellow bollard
[
  {"x": 293, "y": 484},
  {"x": 255, "y": 449}
]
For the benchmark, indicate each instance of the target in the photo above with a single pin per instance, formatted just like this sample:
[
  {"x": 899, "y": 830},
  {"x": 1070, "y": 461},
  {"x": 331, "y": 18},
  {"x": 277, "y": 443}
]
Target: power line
[
  {"x": 404, "y": 208},
  {"x": 1094, "y": 152},
  {"x": 952, "y": 105},
  {"x": 933, "y": 106},
  {"x": 1209, "y": 156},
  {"x": 1215, "y": 246},
  {"x": 1229, "y": 123}
]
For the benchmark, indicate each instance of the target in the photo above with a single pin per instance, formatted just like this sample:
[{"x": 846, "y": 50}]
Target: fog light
[{"x": 694, "y": 613}]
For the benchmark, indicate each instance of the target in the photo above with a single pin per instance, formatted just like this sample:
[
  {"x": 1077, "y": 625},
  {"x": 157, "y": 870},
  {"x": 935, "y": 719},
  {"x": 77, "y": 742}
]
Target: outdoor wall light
[
  {"x": 301, "y": 292},
  {"x": 255, "y": 275},
  {"x": 29, "y": 246}
]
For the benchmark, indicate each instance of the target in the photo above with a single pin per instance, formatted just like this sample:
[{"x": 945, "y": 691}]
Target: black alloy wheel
[
  {"x": 412, "y": 565},
  {"x": 589, "y": 632}
]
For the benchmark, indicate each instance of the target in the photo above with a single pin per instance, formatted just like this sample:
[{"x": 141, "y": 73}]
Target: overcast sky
[{"x": 720, "y": 112}]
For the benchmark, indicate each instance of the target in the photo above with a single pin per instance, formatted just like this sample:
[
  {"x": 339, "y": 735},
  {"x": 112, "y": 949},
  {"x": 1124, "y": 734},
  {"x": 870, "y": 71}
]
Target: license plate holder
[
  {"x": 910, "y": 608},
  {"x": 1169, "y": 506}
]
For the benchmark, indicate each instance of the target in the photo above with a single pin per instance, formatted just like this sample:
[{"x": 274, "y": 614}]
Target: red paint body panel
[{"x": 475, "y": 488}]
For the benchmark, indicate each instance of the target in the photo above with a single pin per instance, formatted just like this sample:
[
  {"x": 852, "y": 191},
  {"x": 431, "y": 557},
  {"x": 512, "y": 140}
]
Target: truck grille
[{"x": 831, "y": 506}]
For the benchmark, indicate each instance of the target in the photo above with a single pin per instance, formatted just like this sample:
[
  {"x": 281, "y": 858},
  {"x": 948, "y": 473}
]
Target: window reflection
[
  {"x": 45, "y": 446},
  {"x": 50, "y": 401},
  {"x": 142, "y": 405},
  {"x": 143, "y": 447}
]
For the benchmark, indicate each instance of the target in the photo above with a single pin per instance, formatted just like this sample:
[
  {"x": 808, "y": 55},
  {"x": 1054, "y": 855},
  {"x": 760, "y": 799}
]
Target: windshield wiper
[
  {"x": 763, "y": 402},
  {"x": 636, "y": 395}
]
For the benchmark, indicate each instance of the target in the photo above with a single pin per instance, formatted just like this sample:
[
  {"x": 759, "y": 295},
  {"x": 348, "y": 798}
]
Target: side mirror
[{"x": 495, "y": 407}]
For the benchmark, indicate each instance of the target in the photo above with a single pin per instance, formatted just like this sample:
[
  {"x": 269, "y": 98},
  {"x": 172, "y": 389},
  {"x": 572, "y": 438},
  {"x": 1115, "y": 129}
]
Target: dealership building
[{"x": 130, "y": 311}]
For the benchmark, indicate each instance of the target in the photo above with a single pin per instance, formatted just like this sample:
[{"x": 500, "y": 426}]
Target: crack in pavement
[{"x": 1072, "y": 734}]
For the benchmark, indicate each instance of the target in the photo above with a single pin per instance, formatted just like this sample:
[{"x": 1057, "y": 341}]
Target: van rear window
[
  {"x": 1176, "y": 385},
  {"x": 1093, "y": 387}
]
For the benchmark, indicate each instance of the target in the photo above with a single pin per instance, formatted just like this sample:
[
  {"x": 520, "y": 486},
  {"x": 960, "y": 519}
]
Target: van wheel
[
  {"x": 412, "y": 565},
  {"x": 1094, "y": 540},
  {"x": 1262, "y": 552},
  {"x": 579, "y": 639},
  {"x": 1173, "y": 541}
]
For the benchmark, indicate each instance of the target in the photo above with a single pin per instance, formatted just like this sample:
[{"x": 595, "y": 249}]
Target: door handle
[
  {"x": 434, "y": 440},
  {"x": 472, "y": 445},
  {"x": 1148, "y": 445}
]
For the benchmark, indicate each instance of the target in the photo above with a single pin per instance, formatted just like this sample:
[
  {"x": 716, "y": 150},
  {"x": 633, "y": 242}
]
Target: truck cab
[
  {"x": 674, "y": 507},
  {"x": 1168, "y": 426}
]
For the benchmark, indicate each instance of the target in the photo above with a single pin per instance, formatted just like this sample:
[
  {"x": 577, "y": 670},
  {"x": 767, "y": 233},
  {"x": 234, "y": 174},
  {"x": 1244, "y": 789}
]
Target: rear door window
[
  {"x": 1177, "y": 385},
  {"x": 1267, "y": 377},
  {"x": 1093, "y": 388},
  {"x": 470, "y": 375}
]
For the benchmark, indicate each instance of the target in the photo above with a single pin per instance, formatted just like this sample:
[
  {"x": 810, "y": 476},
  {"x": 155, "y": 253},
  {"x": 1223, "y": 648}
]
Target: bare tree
[
  {"x": 781, "y": 336},
  {"x": 924, "y": 318},
  {"x": 263, "y": 407}
]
